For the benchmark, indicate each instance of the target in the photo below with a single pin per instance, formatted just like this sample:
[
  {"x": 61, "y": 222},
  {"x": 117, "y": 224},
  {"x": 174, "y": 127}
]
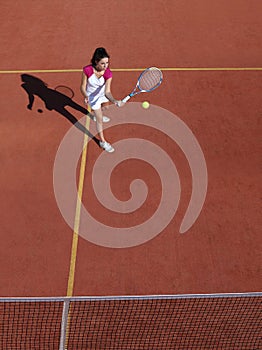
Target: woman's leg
[
  {"x": 99, "y": 127},
  {"x": 104, "y": 106},
  {"x": 99, "y": 123}
]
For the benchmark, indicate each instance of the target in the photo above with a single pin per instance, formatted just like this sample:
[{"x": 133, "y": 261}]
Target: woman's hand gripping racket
[{"x": 148, "y": 81}]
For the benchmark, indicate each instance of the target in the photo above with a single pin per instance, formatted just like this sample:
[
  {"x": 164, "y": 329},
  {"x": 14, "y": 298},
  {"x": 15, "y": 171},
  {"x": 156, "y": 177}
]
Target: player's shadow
[{"x": 54, "y": 100}]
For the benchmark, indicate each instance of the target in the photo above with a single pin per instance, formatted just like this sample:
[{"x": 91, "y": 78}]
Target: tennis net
[{"x": 215, "y": 321}]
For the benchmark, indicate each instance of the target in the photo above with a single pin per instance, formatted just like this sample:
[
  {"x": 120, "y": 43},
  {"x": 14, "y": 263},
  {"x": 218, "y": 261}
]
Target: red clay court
[{"x": 210, "y": 56}]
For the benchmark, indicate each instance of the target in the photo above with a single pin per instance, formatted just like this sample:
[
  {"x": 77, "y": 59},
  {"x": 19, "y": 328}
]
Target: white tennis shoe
[
  {"x": 106, "y": 146},
  {"x": 105, "y": 119}
]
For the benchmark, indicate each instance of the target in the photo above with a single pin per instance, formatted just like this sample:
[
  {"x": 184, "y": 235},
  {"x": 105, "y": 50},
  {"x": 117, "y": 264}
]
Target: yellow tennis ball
[{"x": 145, "y": 104}]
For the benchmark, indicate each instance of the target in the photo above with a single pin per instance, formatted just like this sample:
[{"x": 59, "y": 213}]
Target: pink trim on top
[{"x": 89, "y": 70}]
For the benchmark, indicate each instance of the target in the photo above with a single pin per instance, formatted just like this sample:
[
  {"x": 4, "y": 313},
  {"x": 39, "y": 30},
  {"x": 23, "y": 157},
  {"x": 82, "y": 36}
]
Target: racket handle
[{"x": 126, "y": 99}]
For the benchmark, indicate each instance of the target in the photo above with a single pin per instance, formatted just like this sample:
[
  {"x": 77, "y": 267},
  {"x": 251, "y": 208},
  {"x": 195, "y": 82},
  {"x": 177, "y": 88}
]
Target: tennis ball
[{"x": 145, "y": 104}]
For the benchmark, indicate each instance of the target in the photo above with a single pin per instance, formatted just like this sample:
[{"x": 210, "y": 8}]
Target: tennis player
[{"x": 96, "y": 89}]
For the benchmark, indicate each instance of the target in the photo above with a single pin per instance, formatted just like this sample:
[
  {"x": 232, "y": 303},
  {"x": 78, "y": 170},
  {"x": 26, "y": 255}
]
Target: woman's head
[{"x": 100, "y": 58}]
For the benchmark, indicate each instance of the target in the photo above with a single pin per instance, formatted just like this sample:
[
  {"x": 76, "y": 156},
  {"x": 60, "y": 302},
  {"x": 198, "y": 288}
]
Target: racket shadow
[{"x": 54, "y": 100}]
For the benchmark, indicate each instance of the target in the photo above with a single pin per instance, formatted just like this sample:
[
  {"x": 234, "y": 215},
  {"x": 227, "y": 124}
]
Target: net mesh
[
  {"x": 230, "y": 322},
  {"x": 150, "y": 79},
  {"x": 30, "y": 325}
]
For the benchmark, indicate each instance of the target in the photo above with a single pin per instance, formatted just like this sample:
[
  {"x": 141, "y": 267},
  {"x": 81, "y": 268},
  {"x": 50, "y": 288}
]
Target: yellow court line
[
  {"x": 212, "y": 69},
  {"x": 71, "y": 276},
  {"x": 189, "y": 69},
  {"x": 134, "y": 69}
]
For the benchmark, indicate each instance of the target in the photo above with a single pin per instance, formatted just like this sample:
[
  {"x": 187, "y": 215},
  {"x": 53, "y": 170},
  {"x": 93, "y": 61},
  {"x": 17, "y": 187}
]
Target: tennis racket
[{"x": 148, "y": 81}]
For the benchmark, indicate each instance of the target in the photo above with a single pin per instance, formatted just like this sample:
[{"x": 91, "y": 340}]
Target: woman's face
[{"x": 102, "y": 64}]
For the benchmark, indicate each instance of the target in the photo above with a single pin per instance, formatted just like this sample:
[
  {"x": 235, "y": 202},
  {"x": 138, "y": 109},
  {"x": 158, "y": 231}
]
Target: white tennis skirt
[{"x": 96, "y": 102}]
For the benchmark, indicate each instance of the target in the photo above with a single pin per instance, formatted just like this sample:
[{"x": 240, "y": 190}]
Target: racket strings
[{"x": 150, "y": 79}]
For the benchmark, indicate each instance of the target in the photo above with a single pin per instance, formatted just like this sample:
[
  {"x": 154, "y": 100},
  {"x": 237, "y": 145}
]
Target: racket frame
[{"x": 137, "y": 90}]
